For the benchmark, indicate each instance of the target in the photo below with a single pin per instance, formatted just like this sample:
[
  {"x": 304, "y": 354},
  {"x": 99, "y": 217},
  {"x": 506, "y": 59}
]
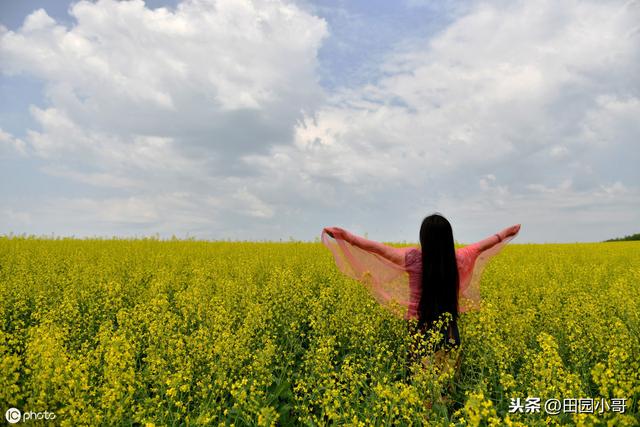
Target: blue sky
[{"x": 270, "y": 120}]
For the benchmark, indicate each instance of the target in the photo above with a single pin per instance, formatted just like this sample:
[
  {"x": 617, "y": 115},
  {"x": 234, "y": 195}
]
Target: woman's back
[{"x": 465, "y": 258}]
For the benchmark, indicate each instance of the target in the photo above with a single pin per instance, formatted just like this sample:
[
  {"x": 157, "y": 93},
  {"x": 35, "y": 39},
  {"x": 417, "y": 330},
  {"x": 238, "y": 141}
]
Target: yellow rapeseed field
[{"x": 151, "y": 332}]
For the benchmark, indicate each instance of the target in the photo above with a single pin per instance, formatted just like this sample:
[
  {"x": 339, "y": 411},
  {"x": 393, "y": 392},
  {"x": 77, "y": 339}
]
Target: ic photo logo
[{"x": 13, "y": 416}]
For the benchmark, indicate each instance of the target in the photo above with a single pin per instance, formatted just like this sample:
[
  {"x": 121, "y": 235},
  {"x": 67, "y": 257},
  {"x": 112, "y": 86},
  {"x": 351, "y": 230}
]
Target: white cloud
[
  {"x": 559, "y": 151},
  {"x": 156, "y": 101},
  {"x": 16, "y": 217},
  {"x": 253, "y": 205},
  {"x": 131, "y": 214},
  {"x": 9, "y": 144},
  {"x": 551, "y": 213},
  {"x": 198, "y": 72},
  {"x": 211, "y": 120},
  {"x": 501, "y": 92}
]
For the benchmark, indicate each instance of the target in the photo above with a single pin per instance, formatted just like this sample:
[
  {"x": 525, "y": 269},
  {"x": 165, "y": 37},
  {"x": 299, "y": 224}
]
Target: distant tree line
[{"x": 625, "y": 238}]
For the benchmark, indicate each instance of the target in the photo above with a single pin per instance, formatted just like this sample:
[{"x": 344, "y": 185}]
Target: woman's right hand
[
  {"x": 510, "y": 231},
  {"x": 490, "y": 241}
]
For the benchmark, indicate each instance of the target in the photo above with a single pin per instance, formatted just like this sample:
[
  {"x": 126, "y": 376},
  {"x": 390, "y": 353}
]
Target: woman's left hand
[{"x": 334, "y": 232}]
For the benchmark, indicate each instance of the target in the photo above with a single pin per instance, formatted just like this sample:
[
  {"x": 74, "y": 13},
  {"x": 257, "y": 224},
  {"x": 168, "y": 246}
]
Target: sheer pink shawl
[{"x": 388, "y": 282}]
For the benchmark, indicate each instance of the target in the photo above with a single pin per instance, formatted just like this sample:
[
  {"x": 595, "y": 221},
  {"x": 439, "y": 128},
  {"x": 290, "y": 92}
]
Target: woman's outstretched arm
[
  {"x": 494, "y": 239},
  {"x": 395, "y": 255}
]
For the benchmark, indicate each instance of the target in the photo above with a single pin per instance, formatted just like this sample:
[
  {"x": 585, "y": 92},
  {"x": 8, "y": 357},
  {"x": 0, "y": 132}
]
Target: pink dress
[
  {"x": 394, "y": 275},
  {"x": 465, "y": 258}
]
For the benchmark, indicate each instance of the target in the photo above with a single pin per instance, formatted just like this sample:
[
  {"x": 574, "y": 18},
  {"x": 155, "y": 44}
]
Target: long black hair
[{"x": 439, "y": 278}]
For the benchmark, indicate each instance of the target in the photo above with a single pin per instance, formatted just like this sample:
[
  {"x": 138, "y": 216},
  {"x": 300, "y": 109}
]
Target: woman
[{"x": 399, "y": 277}]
